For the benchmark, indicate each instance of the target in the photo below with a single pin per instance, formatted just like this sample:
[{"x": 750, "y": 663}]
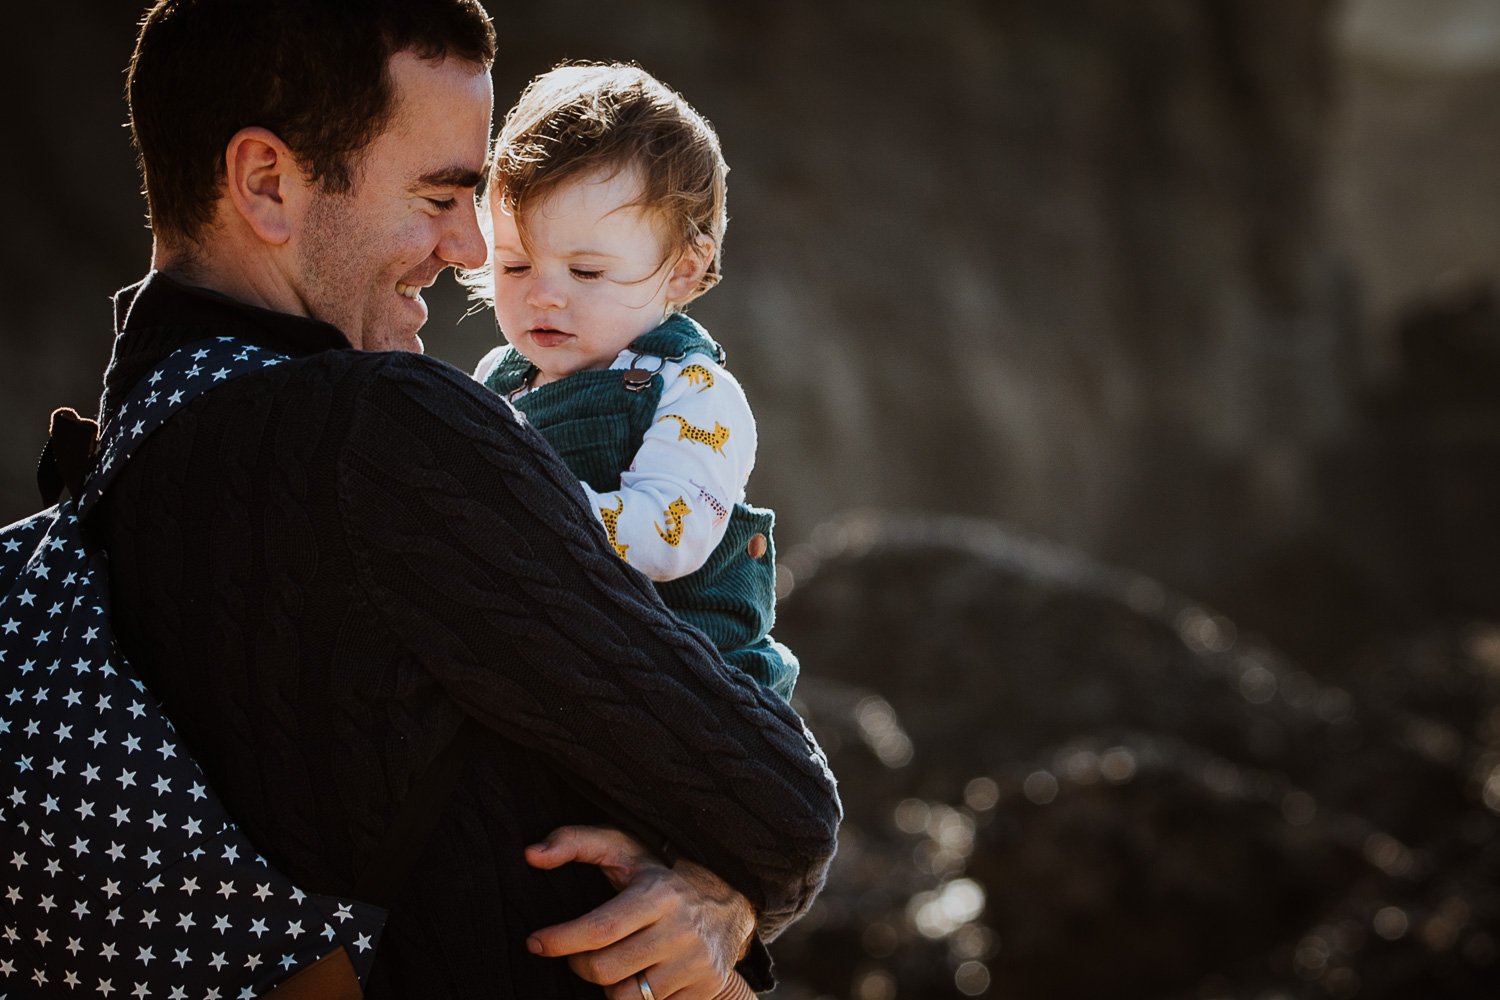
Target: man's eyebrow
[{"x": 459, "y": 177}]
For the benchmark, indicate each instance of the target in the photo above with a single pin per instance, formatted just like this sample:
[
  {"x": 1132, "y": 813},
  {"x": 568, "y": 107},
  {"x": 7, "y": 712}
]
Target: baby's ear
[{"x": 686, "y": 280}]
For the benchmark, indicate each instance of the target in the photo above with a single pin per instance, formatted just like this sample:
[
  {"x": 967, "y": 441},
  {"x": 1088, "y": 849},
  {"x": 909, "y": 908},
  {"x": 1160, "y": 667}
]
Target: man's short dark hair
[{"x": 312, "y": 71}]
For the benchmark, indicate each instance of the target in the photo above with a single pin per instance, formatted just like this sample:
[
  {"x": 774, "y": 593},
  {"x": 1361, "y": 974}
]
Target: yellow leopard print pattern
[
  {"x": 611, "y": 520},
  {"x": 676, "y": 512},
  {"x": 699, "y": 376},
  {"x": 715, "y": 438}
]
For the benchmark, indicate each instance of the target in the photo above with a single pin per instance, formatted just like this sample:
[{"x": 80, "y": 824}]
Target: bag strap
[
  {"x": 180, "y": 378},
  {"x": 72, "y": 441}
]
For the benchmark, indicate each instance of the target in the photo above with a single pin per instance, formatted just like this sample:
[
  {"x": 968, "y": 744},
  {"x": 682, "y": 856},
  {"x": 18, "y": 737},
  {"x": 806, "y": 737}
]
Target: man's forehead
[{"x": 441, "y": 119}]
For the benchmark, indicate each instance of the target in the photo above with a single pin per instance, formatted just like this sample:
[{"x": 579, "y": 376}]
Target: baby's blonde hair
[{"x": 579, "y": 118}]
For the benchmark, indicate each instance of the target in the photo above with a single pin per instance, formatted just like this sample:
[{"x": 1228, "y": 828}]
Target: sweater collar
[{"x": 159, "y": 313}]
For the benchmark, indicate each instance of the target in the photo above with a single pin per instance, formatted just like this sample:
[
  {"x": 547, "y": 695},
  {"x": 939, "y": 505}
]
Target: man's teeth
[{"x": 410, "y": 291}]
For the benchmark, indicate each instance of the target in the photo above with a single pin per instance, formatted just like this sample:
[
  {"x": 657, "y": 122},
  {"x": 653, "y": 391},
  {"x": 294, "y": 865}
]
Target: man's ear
[
  {"x": 687, "y": 273},
  {"x": 264, "y": 184}
]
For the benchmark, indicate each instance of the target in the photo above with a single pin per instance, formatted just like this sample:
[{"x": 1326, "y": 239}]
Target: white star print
[{"x": 58, "y": 610}]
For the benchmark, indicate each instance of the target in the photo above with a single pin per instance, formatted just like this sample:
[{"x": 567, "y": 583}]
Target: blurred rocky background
[{"x": 1128, "y": 378}]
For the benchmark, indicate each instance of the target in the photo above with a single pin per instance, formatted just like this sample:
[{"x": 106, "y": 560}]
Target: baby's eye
[
  {"x": 584, "y": 274},
  {"x": 514, "y": 269}
]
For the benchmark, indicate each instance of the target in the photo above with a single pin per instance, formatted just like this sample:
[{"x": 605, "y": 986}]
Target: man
[{"x": 323, "y": 569}]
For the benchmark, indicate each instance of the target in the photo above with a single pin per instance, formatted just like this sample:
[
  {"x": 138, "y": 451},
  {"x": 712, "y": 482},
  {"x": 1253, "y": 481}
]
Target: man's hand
[{"x": 681, "y": 928}]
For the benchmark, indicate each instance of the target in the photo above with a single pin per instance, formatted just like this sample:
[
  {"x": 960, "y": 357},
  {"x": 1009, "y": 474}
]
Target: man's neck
[{"x": 250, "y": 278}]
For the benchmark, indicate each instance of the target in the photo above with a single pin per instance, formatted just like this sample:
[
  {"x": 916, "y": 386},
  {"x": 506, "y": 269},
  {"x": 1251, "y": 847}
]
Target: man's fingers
[
  {"x": 617, "y": 853},
  {"x": 629, "y": 988},
  {"x": 599, "y": 928}
]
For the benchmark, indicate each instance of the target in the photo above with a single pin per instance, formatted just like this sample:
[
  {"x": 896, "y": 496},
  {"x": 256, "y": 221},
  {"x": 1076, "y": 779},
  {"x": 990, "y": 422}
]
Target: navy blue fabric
[{"x": 125, "y": 873}]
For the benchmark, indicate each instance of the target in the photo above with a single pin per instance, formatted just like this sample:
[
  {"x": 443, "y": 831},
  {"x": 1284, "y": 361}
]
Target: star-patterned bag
[{"x": 122, "y": 873}]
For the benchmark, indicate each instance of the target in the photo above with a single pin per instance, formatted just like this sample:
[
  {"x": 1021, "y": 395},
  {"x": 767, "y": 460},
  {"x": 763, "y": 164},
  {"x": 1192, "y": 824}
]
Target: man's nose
[{"x": 464, "y": 244}]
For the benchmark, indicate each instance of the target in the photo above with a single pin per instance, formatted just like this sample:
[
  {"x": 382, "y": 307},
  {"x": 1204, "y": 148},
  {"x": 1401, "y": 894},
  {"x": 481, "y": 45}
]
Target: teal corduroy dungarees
[{"x": 596, "y": 423}]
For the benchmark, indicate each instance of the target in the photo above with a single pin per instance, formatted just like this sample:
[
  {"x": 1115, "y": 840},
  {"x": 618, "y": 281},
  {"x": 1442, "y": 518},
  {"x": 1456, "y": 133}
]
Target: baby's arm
[{"x": 673, "y": 504}]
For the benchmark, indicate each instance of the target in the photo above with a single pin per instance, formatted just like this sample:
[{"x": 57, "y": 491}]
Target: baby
[{"x": 607, "y": 197}]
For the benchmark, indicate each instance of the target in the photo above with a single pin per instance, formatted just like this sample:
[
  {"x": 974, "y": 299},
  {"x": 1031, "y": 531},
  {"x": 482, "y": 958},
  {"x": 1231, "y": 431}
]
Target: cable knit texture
[{"x": 321, "y": 568}]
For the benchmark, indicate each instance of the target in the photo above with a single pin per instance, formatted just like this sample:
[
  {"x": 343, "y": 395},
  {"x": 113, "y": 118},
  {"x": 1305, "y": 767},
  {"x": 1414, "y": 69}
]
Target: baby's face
[{"x": 595, "y": 276}]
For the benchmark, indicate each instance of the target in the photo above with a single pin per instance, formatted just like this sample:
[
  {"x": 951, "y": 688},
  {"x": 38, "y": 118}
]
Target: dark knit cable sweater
[{"x": 321, "y": 568}]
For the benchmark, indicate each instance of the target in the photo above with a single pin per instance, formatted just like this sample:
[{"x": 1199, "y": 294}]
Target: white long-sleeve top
[{"x": 672, "y": 507}]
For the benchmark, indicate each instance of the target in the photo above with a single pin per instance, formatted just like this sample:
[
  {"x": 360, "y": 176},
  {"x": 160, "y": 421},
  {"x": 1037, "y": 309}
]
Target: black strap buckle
[{"x": 72, "y": 441}]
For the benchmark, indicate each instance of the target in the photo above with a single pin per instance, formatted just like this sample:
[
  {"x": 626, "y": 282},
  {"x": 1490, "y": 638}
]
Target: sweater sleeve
[
  {"x": 478, "y": 549},
  {"x": 672, "y": 507}
]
